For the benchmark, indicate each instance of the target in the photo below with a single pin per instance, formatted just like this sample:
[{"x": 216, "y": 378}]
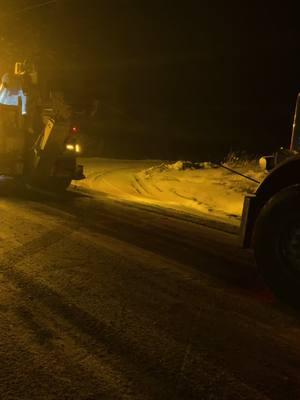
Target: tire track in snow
[{"x": 142, "y": 185}]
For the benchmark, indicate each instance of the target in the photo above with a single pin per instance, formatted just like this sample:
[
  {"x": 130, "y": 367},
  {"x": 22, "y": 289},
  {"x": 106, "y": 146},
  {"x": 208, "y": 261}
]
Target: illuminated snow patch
[{"x": 186, "y": 186}]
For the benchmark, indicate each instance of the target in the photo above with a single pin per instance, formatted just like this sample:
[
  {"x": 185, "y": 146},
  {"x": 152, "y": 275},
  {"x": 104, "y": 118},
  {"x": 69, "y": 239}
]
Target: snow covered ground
[{"x": 192, "y": 188}]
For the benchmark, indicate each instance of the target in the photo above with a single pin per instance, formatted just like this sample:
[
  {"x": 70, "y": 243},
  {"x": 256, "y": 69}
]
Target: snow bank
[{"x": 190, "y": 187}]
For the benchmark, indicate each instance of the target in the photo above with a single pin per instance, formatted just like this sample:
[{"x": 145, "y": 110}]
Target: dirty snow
[{"x": 194, "y": 188}]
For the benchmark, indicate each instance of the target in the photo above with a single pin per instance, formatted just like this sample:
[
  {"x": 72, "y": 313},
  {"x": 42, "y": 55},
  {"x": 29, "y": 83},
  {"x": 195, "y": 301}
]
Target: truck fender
[{"x": 283, "y": 175}]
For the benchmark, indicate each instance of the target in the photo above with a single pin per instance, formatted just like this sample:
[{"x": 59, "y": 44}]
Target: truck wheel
[{"x": 276, "y": 243}]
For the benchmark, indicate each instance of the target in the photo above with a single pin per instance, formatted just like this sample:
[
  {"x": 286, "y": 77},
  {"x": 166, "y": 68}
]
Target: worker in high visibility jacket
[{"x": 11, "y": 92}]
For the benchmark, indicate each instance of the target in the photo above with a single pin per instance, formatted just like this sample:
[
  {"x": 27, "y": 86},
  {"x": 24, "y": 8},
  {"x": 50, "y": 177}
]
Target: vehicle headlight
[{"x": 70, "y": 147}]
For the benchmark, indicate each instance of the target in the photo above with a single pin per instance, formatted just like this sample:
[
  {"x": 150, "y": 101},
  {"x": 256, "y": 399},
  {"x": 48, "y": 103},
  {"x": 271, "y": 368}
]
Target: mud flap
[{"x": 247, "y": 222}]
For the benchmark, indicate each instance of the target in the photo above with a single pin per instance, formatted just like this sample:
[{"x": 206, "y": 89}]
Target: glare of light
[
  {"x": 77, "y": 148},
  {"x": 70, "y": 147},
  {"x": 263, "y": 163}
]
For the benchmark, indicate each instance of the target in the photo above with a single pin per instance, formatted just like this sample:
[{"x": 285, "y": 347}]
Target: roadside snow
[{"x": 197, "y": 188}]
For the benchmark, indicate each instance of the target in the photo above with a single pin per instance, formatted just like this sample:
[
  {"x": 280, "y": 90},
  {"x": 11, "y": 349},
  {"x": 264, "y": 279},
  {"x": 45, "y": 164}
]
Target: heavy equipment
[
  {"x": 271, "y": 219},
  {"x": 38, "y": 138}
]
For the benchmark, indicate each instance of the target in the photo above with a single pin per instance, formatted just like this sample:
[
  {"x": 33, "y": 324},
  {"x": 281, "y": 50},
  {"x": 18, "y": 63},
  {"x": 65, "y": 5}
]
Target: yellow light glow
[
  {"x": 70, "y": 147},
  {"x": 77, "y": 148}
]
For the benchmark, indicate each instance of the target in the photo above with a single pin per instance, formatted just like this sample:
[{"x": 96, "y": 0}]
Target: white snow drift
[{"x": 190, "y": 187}]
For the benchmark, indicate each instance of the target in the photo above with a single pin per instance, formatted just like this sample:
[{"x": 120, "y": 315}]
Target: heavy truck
[
  {"x": 38, "y": 137},
  {"x": 271, "y": 219}
]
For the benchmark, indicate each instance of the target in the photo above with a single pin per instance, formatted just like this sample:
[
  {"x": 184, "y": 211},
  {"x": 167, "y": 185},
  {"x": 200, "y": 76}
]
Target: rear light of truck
[{"x": 73, "y": 147}]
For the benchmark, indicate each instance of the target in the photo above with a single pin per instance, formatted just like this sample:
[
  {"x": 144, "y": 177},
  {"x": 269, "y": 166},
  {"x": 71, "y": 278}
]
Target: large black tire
[{"x": 276, "y": 243}]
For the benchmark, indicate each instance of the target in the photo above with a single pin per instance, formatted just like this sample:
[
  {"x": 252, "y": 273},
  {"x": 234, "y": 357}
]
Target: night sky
[{"x": 201, "y": 77}]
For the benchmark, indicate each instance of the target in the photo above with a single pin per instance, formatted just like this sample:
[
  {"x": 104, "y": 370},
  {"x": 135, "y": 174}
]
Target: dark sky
[{"x": 213, "y": 73}]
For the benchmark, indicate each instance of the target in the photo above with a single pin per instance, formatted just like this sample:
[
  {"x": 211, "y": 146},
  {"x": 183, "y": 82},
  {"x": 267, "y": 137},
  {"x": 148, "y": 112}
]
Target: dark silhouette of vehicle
[
  {"x": 38, "y": 138},
  {"x": 271, "y": 219}
]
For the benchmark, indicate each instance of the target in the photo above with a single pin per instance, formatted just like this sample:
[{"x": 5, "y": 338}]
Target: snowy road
[{"x": 103, "y": 299}]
